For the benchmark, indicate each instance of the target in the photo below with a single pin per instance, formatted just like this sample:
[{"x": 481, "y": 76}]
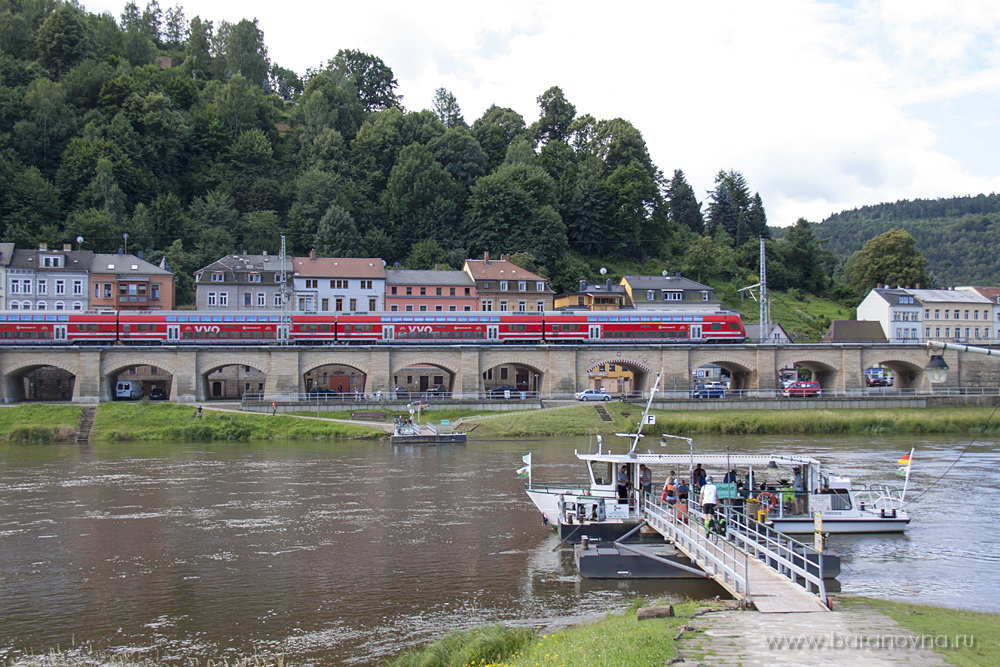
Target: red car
[{"x": 802, "y": 389}]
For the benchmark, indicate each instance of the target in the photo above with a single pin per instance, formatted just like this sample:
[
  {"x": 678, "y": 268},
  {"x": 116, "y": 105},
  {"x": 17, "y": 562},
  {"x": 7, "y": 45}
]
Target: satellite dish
[
  {"x": 664, "y": 273},
  {"x": 383, "y": 262},
  {"x": 396, "y": 265},
  {"x": 79, "y": 239},
  {"x": 603, "y": 270}
]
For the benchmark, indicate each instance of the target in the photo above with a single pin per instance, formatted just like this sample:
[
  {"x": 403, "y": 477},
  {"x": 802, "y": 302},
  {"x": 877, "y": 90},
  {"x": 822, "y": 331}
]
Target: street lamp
[{"x": 936, "y": 369}]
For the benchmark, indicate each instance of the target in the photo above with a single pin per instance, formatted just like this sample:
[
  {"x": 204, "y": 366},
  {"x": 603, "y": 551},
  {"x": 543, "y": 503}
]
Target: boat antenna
[
  {"x": 645, "y": 415},
  {"x": 906, "y": 481}
]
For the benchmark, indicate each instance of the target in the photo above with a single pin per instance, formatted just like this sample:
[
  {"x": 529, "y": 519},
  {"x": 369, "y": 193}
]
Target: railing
[
  {"x": 793, "y": 559},
  {"x": 726, "y": 562}
]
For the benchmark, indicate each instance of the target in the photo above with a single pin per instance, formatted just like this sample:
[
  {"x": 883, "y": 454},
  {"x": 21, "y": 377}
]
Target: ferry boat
[{"x": 843, "y": 508}]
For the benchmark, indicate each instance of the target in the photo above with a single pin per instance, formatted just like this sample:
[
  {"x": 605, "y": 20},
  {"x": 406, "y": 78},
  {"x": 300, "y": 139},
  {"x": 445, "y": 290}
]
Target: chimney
[
  {"x": 43, "y": 246},
  {"x": 609, "y": 284},
  {"x": 583, "y": 284},
  {"x": 312, "y": 254},
  {"x": 264, "y": 253},
  {"x": 140, "y": 254},
  {"x": 917, "y": 286},
  {"x": 504, "y": 258},
  {"x": 879, "y": 286},
  {"x": 67, "y": 246}
]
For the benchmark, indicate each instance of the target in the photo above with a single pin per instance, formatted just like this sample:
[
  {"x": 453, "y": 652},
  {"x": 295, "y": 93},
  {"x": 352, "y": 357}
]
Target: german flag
[{"x": 904, "y": 461}]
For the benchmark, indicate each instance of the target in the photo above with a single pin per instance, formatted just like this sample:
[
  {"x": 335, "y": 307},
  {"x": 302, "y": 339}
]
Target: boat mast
[{"x": 645, "y": 413}]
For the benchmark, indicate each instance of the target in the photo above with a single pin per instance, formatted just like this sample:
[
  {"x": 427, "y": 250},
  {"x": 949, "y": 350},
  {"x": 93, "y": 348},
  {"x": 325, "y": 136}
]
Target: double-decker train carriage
[
  {"x": 454, "y": 328},
  {"x": 638, "y": 327}
]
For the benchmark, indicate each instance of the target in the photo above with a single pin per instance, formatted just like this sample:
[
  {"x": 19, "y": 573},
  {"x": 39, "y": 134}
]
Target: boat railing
[
  {"x": 723, "y": 560},
  {"x": 788, "y": 556},
  {"x": 879, "y": 498}
]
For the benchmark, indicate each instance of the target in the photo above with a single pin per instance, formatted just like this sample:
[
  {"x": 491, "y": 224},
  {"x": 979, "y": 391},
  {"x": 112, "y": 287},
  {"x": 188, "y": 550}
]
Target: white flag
[{"x": 527, "y": 458}]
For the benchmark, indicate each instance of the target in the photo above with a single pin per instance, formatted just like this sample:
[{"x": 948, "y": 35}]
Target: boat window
[{"x": 603, "y": 472}]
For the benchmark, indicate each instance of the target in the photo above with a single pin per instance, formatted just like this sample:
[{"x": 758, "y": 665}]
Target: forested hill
[{"x": 959, "y": 236}]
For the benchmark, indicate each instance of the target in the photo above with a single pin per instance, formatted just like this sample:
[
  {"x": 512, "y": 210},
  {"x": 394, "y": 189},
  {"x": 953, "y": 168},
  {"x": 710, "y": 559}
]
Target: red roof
[{"x": 339, "y": 267}]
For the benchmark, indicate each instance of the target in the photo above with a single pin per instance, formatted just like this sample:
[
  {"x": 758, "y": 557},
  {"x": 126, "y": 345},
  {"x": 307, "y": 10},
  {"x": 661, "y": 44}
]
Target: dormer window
[
  {"x": 539, "y": 286},
  {"x": 522, "y": 286},
  {"x": 52, "y": 261},
  {"x": 254, "y": 278},
  {"x": 503, "y": 285},
  {"x": 218, "y": 276}
]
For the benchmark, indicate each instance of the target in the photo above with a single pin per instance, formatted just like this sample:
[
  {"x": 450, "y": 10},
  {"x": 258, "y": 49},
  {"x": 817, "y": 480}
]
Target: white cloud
[{"x": 822, "y": 105}]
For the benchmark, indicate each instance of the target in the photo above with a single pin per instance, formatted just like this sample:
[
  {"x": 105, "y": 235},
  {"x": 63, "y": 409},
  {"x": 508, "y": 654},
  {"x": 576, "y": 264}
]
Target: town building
[
  {"x": 6, "y": 254},
  {"x": 777, "y": 334},
  {"x": 993, "y": 294},
  {"x": 45, "y": 279},
  {"x": 898, "y": 312},
  {"x": 669, "y": 293},
  {"x": 854, "y": 331},
  {"x": 435, "y": 291},
  {"x": 955, "y": 315},
  {"x": 338, "y": 284},
  {"x": 127, "y": 282},
  {"x": 241, "y": 283},
  {"x": 596, "y": 297},
  {"x": 503, "y": 286}
]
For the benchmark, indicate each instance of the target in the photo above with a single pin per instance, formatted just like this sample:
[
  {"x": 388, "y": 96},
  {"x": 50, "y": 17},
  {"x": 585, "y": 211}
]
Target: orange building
[
  {"x": 125, "y": 282},
  {"x": 429, "y": 291}
]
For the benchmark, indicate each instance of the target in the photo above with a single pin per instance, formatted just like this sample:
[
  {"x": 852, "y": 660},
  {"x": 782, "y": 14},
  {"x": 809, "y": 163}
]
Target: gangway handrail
[
  {"x": 728, "y": 566},
  {"x": 784, "y": 554}
]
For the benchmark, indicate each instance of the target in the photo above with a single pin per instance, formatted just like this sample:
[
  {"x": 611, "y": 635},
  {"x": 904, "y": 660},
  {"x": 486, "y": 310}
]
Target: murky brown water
[{"x": 346, "y": 554}]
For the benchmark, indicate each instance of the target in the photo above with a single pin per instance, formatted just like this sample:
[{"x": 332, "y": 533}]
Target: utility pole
[
  {"x": 284, "y": 296},
  {"x": 765, "y": 307}
]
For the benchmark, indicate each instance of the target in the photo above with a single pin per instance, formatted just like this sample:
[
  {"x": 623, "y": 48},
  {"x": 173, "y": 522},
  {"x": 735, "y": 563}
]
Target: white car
[{"x": 592, "y": 395}]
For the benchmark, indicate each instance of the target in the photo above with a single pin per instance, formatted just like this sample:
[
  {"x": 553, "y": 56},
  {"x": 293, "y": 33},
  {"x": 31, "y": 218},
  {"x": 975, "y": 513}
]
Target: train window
[
  {"x": 62, "y": 318},
  {"x": 324, "y": 327},
  {"x": 216, "y": 318},
  {"x": 268, "y": 334},
  {"x": 227, "y": 318},
  {"x": 240, "y": 318},
  {"x": 716, "y": 326},
  {"x": 246, "y": 334},
  {"x": 494, "y": 318},
  {"x": 682, "y": 333},
  {"x": 451, "y": 318},
  {"x": 171, "y": 318},
  {"x": 734, "y": 326},
  {"x": 688, "y": 318},
  {"x": 462, "y": 318},
  {"x": 518, "y": 327},
  {"x": 3, "y": 318},
  {"x": 418, "y": 318},
  {"x": 699, "y": 318}
]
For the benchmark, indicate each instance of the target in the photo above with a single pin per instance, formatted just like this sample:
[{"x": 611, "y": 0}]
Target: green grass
[
  {"x": 39, "y": 423},
  {"x": 434, "y": 415},
  {"x": 938, "y": 622},
  {"x": 584, "y": 420},
  {"x": 161, "y": 421},
  {"x": 617, "y": 639}
]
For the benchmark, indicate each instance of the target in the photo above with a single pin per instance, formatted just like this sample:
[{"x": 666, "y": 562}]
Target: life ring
[{"x": 771, "y": 500}]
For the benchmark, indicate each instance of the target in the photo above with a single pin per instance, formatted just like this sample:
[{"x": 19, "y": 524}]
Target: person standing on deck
[
  {"x": 645, "y": 479},
  {"x": 622, "y": 487}
]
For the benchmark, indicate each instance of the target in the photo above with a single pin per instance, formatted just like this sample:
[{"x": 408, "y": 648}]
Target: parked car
[
  {"x": 438, "y": 390},
  {"x": 500, "y": 391},
  {"x": 802, "y": 389},
  {"x": 318, "y": 391},
  {"x": 593, "y": 395},
  {"x": 157, "y": 394},
  {"x": 710, "y": 390},
  {"x": 402, "y": 393}
]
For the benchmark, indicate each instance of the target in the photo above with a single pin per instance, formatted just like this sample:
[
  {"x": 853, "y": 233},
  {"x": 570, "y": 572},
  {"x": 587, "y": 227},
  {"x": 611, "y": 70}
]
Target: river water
[{"x": 349, "y": 553}]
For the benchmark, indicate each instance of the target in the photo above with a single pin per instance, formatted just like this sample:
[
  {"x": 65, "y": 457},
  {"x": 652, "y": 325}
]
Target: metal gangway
[{"x": 758, "y": 565}]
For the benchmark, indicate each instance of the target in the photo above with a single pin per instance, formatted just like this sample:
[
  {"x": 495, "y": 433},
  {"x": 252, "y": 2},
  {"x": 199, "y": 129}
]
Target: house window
[
  {"x": 704, "y": 296},
  {"x": 354, "y": 305},
  {"x": 487, "y": 286},
  {"x": 218, "y": 276},
  {"x": 277, "y": 300},
  {"x": 503, "y": 306},
  {"x": 366, "y": 284},
  {"x": 522, "y": 306},
  {"x": 324, "y": 304},
  {"x": 540, "y": 306},
  {"x": 338, "y": 284},
  {"x": 409, "y": 291},
  {"x": 312, "y": 283},
  {"x": 673, "y": 296},
  {"x": 43, "y": 287},
  {"x": 224, "y": 299},
  {"x": 338, "y": 303},
  {"x": 60, "y": 287},
  {"x": 503, "y": 285},
  {"x": 650, "y": 295},
  {"x": 392, "y": 291},
  {"x": 212, "y": 299},
  {"x": 451, "y": 291},
  {"x": 15, "y": 286},
  {"x": 540, "y": 287},
  {"x": 247, "y": 299},
  {"x": 437, "y": 291},
  {"x": 409, "y": 309},
  {"x": 107, "y": 290},
  {"x": 423, "y": 309},
  {"x": 487, "y": 306},
  {"x": 423, "y": 291},
  {"x": 372, "y": 305},
  {"x": 393, "y": 309},
  {"x": 77, "y": 288},
  {"x": 468, "y": 291},
  {"x": 522, "y": 286},
  {"x": 254, "y": 277},
  {"x": 261, "y": 300}
]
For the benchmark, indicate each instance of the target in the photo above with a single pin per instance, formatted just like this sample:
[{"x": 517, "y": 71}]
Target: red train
[{"x": 455, "y": 328}]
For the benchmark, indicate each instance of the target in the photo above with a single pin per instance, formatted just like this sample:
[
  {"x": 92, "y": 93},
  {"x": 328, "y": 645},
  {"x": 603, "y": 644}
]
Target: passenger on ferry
[
  {"x": 799, "y": 485},
  {"x": 622, "y": 487},
  {"x": 709, "y": 498},
  {"x": 682, "y": 489},
  {"x": 698, "y": 477},
  {"x": 669, "y": 494},
  {"x": 645, "y": 479}
]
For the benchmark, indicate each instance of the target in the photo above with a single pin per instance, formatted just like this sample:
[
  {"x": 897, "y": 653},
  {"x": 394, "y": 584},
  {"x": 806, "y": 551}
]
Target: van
[{"x": 128, "y": 390}]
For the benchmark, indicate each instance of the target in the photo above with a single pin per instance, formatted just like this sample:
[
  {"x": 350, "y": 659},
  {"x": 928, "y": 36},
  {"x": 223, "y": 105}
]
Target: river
[{"x": 348, "y": 553}]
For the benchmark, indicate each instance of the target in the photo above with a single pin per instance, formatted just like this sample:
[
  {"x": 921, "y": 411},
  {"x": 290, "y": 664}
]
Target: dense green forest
[
  {"x": 185, "y": 136},
  {"x": 957, "y": 235}
]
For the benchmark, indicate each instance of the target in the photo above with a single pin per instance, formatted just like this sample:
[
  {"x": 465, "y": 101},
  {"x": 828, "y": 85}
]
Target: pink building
[{"x": 429, "y": 291}]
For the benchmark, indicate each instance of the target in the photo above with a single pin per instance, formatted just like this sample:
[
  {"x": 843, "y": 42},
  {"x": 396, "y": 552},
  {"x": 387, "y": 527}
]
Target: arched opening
[
  {"x": 132, "y": 383},
  {"x": 423, "y": 381},
  {"x": 619, "y": 377},
  {"x": 41, "y": 383},
  {"x": 816, "y": 371},
  {"x": 895, "y": 376},
  {"x": 516, "y": 378},
  {"x": 335, "y": 379},
  {"x": 232, "y": 381}
]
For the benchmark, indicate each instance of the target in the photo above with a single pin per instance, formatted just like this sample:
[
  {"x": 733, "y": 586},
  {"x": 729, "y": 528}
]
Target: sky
[{"x": 823, "y": 106}]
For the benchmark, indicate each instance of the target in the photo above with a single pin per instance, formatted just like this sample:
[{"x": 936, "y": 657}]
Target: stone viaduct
[{"x": 560, "y": 370}]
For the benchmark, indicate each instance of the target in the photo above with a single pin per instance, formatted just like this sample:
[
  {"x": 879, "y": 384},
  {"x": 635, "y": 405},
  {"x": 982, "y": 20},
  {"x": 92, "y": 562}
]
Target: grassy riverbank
[
  {"x": 586, "y": 420},
  {"x": 163, "y": 421},
  {"x": 39, "y": 423},
  {"x": 617, "y": 639},
  {"x": 621, "y": 639}
]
